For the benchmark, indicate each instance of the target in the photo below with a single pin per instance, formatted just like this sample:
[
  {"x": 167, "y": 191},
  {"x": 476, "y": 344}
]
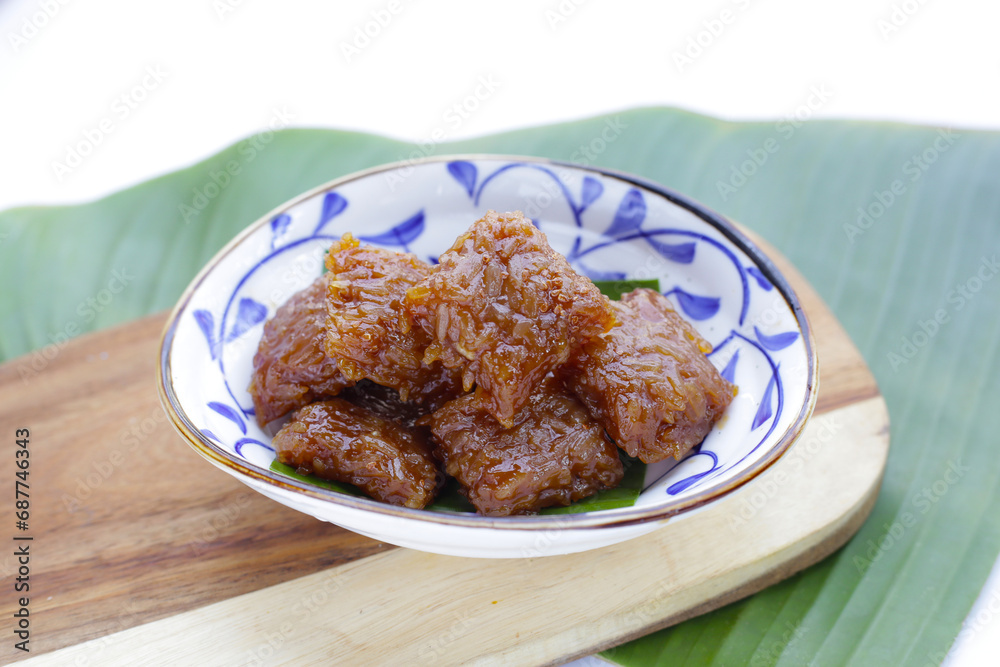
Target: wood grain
[
  {"x": 151, "y": 554},
  {"x": 129, "y": 523}
]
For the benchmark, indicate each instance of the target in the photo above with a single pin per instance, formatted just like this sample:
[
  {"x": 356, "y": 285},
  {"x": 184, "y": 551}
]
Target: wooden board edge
[
  {"x": 161, "y": 635},
  {"x": 839, "y": 534},
  {"x": 800, "y": 560}
]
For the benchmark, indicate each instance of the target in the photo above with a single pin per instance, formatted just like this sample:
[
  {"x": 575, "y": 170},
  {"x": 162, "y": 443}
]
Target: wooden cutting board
[{"x": 143, "y": 553}]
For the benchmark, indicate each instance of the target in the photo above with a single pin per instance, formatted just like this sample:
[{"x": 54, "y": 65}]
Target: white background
[{"x": 78, "y": 77}]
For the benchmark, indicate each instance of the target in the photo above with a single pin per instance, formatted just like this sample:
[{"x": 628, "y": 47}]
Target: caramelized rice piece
[
  {"x": 505, "y": 309},
  {"x": 341, "y": 441},
  {"x": 554, "y": 454},
  {"x": 369, "y": 334},
  {"x": 386, "y": 403},
  {"x": 648, "y": 380},
  {"x": 290, "y": 368}
]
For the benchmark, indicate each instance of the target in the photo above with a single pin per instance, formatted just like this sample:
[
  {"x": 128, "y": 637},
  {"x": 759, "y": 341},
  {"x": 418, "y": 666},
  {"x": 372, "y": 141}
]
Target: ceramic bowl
[{"x": 609, "y": 225}]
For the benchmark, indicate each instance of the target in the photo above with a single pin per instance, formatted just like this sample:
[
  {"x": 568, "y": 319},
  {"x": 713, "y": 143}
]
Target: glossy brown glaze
[
  {"x": 554, "y": 453},
  {"x": 648, "y": 380},
  {"x": 368, "y": 332},
  {"x": 505, "y": 309},
  {"x": 386, "y": 403},
  {"x": 345, "y": 442},
  {"x": 291, "y": 368}
]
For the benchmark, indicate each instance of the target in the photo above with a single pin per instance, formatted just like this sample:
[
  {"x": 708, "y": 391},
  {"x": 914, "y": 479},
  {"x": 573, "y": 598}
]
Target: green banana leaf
[{"x": 897, "y": 227}]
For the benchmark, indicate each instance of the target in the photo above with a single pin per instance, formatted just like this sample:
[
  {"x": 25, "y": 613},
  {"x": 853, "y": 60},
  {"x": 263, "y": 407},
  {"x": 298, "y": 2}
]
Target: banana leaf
[{"x": 898, "y": 228}]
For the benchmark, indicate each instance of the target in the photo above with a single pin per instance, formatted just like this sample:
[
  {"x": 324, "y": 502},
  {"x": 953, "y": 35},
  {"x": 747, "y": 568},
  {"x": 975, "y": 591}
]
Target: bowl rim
[{"x": 618, "y": 517}]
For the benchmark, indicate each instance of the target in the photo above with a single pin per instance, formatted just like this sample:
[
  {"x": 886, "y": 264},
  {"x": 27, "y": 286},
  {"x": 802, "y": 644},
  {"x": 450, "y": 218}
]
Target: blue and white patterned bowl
[{"x": 609, "y": 225}]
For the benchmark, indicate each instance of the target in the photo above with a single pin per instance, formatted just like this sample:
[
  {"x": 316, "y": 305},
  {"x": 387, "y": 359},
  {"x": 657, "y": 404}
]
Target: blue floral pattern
[
  {"x": 611, "y": 229},
  {"x": 401, "y": 235},
  {"x": 627, "y": 225}
]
